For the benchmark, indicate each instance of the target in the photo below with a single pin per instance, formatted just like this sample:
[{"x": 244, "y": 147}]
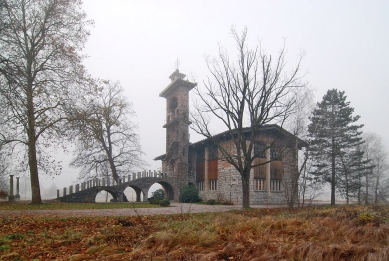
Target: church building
[{"x": 201, "y": 164}]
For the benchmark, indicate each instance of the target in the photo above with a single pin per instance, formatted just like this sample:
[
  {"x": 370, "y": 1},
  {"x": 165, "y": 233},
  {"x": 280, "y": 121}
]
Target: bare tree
[
  {"x": 250, "y": 93},
  {"x": 5, "y": 165},
  {"x": 106, "y": 138},
  {"x": 40, "y": 67},
  {"x": 297, "y": 124},
  {"x": 375, "y": 177}
]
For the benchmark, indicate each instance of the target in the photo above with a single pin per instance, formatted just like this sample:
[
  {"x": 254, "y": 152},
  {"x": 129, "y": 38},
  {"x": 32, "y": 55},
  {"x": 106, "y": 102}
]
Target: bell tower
[{"x": 175, "y": 161}]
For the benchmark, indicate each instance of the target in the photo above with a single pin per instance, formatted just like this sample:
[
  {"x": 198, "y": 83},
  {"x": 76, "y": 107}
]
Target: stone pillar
[
  {"x": 103, "y": 181},
  {"x": 145, "y": 192},
  {"x": 139, "y": 174},
  {"x": 77, "y": 188},
  {"x": 64, "y": 192},
  {"x": 57, "y": 193},
  {"x": 267, "y": 180},
  {"x": 129, "y": 177},
  {"x": 11, "y": 188},
  {"x": 70, "y": 189},
  {"x": 206, "y": 178},
  {"x": 138, "y": 195},
  {"x": 124, "y": 179},
  {"x": 155, "y": 174},
  {"x": 108, "y": 182},
  {"x": 17, "y": 196}
]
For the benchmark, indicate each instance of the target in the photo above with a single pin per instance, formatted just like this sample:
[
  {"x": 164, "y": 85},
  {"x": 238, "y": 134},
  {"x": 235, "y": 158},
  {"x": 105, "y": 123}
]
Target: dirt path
[{"x": 175, "y": 208}]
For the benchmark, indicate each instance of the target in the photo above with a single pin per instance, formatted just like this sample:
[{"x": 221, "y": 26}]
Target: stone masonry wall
[{"x": 229, "y": 184}]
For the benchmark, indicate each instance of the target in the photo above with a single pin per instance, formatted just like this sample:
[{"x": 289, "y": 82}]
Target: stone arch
[
  {"x": 138, "y": 192},
  {"x": 113, "y": 194},
  {"x": 169, "y": 192}
]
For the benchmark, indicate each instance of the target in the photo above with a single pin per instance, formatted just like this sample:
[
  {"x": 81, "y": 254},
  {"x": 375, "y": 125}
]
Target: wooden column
[
  {"x": 206, "y": 178},
  {"x": 267, "y": 179}
]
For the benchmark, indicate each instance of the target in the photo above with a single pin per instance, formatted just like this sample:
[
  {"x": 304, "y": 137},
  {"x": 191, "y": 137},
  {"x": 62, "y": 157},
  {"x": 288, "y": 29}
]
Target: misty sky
[{"x": 346, "y": 46}]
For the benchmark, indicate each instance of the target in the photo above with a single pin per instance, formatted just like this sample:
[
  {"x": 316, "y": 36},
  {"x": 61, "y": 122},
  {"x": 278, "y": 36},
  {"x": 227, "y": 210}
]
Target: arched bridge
[{"x": 88, "y": 190}]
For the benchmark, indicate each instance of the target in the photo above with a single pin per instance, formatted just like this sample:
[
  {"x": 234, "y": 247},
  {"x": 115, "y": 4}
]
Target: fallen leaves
[{"x": 299, "y": 234}]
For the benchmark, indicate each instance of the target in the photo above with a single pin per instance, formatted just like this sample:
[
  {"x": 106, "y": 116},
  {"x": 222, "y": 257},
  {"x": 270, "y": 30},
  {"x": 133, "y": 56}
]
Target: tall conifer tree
[{"x": 335, "y": 140}]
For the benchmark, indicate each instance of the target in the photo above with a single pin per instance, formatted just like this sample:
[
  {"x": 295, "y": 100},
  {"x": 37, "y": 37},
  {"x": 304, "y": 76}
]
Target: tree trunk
[
  {"x": 246, "y": 190},
  {"x": 113, "y": 169},
  {"x": 347, "y": 196},
  {"x": 32, "y": 159},
  {"x": 367, "y": 190},
  {"x": 34, "y": 177},
  {"x": 359, "y": 189},
  {"x": 333, "y": 172},
  {"x": 376, "y": 184},
  {"x": 332, "y": 158}
]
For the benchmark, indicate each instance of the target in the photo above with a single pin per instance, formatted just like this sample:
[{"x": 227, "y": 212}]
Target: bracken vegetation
[
  {"x": 59, "y": 205},
  {"x": 320, "y": 233}
]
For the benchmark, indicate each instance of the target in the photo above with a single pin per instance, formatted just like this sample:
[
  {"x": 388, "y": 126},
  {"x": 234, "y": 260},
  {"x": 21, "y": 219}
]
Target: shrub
[
  {"x": 154, "y": 201},
  {"x": 211, "y": 202},
  {"x": 158, "y": 194},
  {"x": 164, "y": 202},
  {"x": 189, "y": 194},
  {"x": 3, "y": 194}
]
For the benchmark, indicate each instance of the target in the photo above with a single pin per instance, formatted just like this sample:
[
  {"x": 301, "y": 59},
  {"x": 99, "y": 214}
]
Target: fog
[{"x": 345, "y": 46}]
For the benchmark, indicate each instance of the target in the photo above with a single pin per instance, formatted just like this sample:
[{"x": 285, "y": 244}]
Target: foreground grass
[
  {"x": 58, "y": 205},
  {"x": 322, "y": 233}
]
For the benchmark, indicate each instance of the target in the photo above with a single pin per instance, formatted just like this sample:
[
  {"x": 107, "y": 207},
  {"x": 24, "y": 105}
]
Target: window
[
  {"x": 200, "y": 155},
  {"x": 200, "y": 185},
  {"x": 275, "y": 185},
  {"x": 259, "y": 150},
  {"x": 173, "y": 104},
  {"x": 212, "y": 184},
  {"x": 259, "y": 184},
  {"x": 213, "y": 152},
  {"x": 274, "y": 153},
  {"x": 190, "y": 168}
]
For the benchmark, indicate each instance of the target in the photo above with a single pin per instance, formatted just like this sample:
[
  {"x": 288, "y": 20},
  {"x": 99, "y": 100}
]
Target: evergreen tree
[{"x": 335, "y": 140}]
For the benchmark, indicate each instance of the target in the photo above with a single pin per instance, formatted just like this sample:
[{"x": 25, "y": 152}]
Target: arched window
[{"x": 173, "y": 104}]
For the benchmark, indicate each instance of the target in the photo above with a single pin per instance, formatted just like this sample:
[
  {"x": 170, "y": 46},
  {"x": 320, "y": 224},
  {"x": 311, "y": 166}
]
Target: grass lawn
[
  {"x": 316, "y": 233},
  {"x": 58, "y": 205}
]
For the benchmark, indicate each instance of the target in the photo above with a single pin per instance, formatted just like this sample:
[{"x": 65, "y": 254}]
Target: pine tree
[{"x": 335, "y": 140}]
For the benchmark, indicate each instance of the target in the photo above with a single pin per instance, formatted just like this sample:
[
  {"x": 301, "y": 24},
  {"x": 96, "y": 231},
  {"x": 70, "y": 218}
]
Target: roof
[
  {"x": 268, "y": 127},
  {"x": 177, "y": 80}
]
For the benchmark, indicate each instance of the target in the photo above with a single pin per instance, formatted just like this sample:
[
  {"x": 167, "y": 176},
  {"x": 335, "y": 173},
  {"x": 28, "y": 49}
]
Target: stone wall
[{"x": 229, "y": 184}]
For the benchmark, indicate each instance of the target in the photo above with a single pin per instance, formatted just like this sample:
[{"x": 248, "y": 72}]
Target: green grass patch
[{"x": 53, "y": 206}]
